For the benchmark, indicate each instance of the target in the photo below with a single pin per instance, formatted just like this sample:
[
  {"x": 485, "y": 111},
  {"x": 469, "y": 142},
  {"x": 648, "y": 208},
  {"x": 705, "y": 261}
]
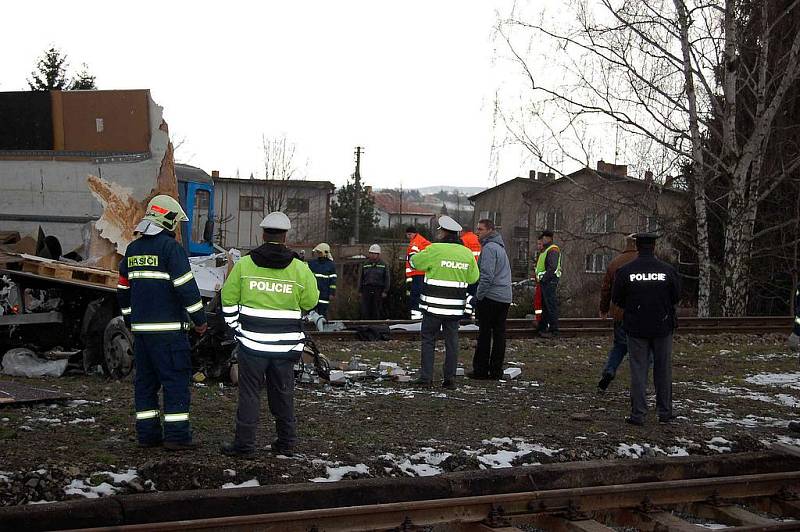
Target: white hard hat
[
  {"x": 277, "y": 221},
  {"x": 374, "y": 248},
  {"x": 322, "y": 247},
  {"x": 447, "y": 223}
]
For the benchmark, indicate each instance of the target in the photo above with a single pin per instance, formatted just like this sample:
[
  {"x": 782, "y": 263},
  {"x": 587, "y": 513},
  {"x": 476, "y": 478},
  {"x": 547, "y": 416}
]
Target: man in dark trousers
[
  {"x": 158, "y": 297},
  {"x": 648, "y": 289},
  {"x": 374, "y": 285},
  {"x": 620, "y": 346},
  {"x": 263, "y": 299},
  {"x": 324, "y": 270},
  {"x": 494, "y": 298},
  {"x": 548, "y": 273}
]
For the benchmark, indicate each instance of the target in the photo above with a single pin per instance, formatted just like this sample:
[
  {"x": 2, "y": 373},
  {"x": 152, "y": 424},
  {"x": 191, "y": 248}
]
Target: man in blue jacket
[
  {"x": 158, "y": 297},
  {"x": 494, "y": 298}
]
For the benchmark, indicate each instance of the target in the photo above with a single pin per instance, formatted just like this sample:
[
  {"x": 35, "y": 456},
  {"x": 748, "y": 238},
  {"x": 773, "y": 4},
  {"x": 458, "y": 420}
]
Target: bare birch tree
[
  {"x": 279, "y": 166},
  {"x": 669, "y": 73}
]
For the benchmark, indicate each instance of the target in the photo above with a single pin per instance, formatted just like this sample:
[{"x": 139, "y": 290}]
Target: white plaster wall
[{"x": 58, "y": 188}]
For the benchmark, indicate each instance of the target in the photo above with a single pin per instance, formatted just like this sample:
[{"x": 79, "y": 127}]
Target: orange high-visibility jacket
[
  {"x": 470, "y": 240},
  {"x": 417, "y": 244}
]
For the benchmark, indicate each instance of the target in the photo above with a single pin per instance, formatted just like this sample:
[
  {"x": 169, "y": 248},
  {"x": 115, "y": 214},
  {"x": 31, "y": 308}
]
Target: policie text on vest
[
  {"x": 271, "y": 286},
  {"x": 648, "y": 277},
  {"x": 454, "y": 265}
]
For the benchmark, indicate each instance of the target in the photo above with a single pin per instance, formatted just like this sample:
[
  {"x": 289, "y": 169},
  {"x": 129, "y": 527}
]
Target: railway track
[
  {"x": 572, "y": 327},
  {"x": 753, "y": 491}
]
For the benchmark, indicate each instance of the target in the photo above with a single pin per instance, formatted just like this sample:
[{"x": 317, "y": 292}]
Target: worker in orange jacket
[
  {"x": 471, "y": 240},
  {"x": 414, "y": 278}
]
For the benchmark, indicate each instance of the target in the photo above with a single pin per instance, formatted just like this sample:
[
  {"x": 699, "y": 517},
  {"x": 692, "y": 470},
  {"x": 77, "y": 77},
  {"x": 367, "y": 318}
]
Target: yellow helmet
[{"x": 165, "y": 211}]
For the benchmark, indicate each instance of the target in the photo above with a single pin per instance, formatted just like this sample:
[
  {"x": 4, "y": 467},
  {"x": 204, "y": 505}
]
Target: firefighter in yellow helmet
[{"x": 159, "y": 300}]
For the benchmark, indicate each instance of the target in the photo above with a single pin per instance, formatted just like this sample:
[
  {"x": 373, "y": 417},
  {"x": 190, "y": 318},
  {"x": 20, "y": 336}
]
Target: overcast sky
[{"x": 412, "y": 82}]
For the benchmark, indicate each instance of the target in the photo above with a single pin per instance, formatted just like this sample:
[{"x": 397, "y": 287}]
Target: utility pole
[{"x": 357, "y": 176}]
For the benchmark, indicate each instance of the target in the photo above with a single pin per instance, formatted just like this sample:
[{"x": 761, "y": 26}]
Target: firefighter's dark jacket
[
  {"x": 324, "y": 270},
  {"x": 647, "y": 290},
  {"x": 375, "y": 274},
  {"x": 157, "y": 292}
]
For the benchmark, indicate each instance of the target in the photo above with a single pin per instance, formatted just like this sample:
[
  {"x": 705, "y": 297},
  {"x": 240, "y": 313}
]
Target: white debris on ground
[
  {"x": 336, "y": 472},
  {"x": 252, "y": 483}
]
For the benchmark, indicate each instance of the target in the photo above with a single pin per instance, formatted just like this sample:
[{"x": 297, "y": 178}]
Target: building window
[
  {"x": 552, "y": 220},
  {"x": 494, "y": 216},
  {"x": 599, "y": 223},
  {"x": 202, "y": 200},
  {"x": 649, "y": 224},
  {"x": 297, "y": 205},
  {"x": 251, "y": 203},
  {"x": 597, "y": 262}
]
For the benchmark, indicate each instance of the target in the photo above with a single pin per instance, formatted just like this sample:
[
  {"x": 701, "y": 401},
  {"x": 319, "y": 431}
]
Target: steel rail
[{"x": 515, "y": 506}]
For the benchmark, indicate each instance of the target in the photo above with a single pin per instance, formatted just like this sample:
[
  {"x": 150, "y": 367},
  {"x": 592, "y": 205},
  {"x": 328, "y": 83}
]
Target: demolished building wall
[{"x": 50, "y": 189}]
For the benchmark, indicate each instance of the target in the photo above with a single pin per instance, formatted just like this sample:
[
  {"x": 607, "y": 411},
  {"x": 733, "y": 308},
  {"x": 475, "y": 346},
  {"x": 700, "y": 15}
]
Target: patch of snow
[
  {"x": 721, "y": 445},
  {"x": 86, "y": 420},
  {"x": 336, "y": 474},
  {"x": 501, "y": 458},
  {"x": 47, "y": 420},
  {"x": 229, "y": 473},
  {"x": 41, "y": 502},
  {"x": 430, "y": 456},
  {"x": 790, "y": 380},
  {"x": 80, "y": 487},
  {"x": 121, "y": 478},
  {"x": 252, "y": 483},
  {"x": 498, "y": 441},
  {"x": 712, "y": 526},
  {"x": 418, "y": 470}
]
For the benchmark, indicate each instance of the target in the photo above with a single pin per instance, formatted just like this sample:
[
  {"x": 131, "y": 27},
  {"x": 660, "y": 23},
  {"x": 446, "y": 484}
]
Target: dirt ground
[{"x": 732, "y": 393}]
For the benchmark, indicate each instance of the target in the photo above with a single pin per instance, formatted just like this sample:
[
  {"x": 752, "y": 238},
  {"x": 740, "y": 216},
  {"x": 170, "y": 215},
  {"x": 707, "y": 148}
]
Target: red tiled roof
[{"x": 390, "y": 203}]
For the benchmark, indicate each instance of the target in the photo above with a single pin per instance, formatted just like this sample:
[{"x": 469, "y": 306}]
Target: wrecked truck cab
[{"x": 196, "y": 195}]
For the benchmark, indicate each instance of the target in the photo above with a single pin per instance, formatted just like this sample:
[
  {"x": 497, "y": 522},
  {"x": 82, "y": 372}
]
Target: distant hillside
[{"x": 467, "y": 191}]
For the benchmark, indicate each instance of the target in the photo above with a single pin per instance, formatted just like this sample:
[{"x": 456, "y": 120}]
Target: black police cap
[
  {"x": 547, "y": 233},
  {"x": 646, "y": 238}
]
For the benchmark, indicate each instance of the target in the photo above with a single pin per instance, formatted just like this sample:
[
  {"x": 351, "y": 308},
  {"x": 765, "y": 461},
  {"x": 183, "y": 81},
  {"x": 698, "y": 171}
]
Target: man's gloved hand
[
  {"x": 201, "y": 329},
  {"x": 794, "y": 342}
]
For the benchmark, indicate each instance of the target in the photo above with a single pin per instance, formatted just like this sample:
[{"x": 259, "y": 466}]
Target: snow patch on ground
[
  {"x": 719, "y": 444},
  {"x": 79, "y": 420},
  {"x": 637, "y": 450},
  {"x": 505, "y": 457},
  {"x": 84, "y": 489},
  {"x": 789, "y": 380},
  {"x": 252, "y": 483},
  {"x": 336, "y": 473}
]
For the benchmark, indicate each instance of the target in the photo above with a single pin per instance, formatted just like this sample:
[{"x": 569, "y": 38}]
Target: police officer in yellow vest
[
  {"x": 548, "y": 273},
  {"x": 449, "y": 268},
  {"x": 262, "y": 301}
]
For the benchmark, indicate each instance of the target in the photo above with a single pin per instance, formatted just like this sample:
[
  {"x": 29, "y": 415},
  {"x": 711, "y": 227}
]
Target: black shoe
[
  {"x": 181, "y": 445},
  {"x": 476, "y": 376},
  {"x": 545, "y": 334},
  {"x": 605, "y": 381},
  {"x": 151, "y": 444},
  {"x": 449, "y": 384},
  {"x": 794, "y": 426},
  {"x": 495, "y": 376},
  {"x": 631, "y": 421},
  {"x": 230, "y": 449},
  {"x": 667, "y": 419},
  {"x": 419, "y": 381},
  {"x": 276, "y": 449}
]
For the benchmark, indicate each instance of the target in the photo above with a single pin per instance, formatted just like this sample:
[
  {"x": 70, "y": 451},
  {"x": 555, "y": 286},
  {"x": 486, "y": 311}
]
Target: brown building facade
[{"x": 590, "y": 212}]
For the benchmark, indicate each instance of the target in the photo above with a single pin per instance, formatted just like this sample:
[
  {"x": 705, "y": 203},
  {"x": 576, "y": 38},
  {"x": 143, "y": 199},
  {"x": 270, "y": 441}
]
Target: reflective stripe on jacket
[
  {"x": 324, "y": 270},
  {"x": 449, "y": 268},
  {"x": 264, "y": 306},
  {"x": 156, "y": 290},
  {"x": 541, "y": 266},
  {"x": 417, "y": 244}
]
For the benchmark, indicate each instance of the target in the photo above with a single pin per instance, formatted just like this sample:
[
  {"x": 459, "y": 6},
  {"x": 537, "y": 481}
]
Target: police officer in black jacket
[{"x": 647, "y": 289}]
